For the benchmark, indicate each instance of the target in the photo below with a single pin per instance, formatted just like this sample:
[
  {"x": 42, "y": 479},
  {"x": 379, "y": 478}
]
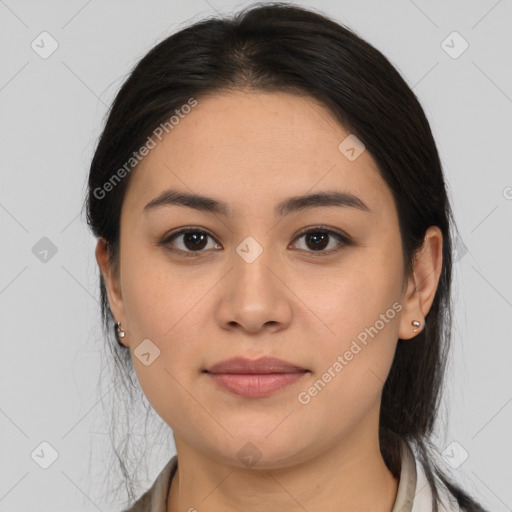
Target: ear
[
  {"x": 112, "y": 282},
  {"x": 422, "y": 285}
]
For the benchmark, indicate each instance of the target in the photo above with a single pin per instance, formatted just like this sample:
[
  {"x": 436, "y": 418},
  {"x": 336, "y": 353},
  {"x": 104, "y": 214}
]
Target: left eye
[
  {"x": 318, "y": 239},
  {"x": 194, "y": 241}
]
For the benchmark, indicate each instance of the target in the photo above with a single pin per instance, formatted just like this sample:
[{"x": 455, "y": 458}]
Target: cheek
[
  {"x": 166, "y": 318},
  {"x": 351, "y": 365},
  {"x": 157, "y": 295},
  {"x": 355, "y": 296}
]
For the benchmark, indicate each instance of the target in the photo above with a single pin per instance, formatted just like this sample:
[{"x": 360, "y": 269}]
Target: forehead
[{"x": 255, "y": 145}]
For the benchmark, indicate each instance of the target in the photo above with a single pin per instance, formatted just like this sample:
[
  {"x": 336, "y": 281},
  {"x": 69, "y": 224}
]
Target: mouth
[{"x": 255, "y": 378}]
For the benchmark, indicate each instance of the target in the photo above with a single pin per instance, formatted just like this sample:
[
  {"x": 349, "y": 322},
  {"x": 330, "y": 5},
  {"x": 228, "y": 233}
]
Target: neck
[{"x": 350, "y": 476}]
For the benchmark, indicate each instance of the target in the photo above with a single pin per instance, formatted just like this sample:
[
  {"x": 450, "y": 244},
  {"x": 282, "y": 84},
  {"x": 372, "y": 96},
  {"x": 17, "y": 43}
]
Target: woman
[{"x": 275, "y": 252}]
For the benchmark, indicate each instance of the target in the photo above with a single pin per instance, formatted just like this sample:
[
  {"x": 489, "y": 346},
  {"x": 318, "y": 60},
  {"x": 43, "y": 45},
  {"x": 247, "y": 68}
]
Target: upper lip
[{"x": 243, "y": 365}]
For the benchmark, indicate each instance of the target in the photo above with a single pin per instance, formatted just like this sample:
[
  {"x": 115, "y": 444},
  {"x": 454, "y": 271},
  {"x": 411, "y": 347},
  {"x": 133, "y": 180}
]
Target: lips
[
  {"x": 254, "y": 378},
  {"x": 262, "y": 365}
]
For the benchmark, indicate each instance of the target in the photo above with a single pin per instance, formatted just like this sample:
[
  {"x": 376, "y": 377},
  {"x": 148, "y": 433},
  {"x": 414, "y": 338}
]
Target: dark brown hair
[{"x": 278, "y": 47}]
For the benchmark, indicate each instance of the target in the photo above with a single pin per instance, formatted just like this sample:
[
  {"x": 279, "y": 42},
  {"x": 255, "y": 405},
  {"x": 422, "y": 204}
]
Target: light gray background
[{"x": 51, "y": 114}]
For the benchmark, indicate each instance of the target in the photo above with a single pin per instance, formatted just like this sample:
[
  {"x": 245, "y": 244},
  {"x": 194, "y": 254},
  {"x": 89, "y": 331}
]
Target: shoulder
[
  {"x": 155, "y": 498},
  {"x": 423, "y": 492}
]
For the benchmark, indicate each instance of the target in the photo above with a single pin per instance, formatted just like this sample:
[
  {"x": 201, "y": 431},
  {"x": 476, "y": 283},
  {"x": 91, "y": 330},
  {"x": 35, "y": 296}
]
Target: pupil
[
  {"x": 318, "y": 237},
  {"x": 196, "y": 239}
]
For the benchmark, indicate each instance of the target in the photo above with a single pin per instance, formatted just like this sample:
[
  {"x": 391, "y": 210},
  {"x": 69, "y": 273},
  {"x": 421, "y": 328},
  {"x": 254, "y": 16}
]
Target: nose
[{"x": 254, "y": 295}]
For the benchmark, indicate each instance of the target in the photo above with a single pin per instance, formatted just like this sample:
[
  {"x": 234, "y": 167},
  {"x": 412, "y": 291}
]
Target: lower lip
[{"x": 255, "y": 385}]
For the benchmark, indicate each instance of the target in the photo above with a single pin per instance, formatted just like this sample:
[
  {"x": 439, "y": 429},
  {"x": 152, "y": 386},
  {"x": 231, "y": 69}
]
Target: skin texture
[{"x": 253, "y": 150}]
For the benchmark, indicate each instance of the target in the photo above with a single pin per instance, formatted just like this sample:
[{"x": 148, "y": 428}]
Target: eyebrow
[{"x": 292, "y": 204}]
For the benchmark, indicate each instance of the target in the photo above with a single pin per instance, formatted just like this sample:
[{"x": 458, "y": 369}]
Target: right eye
[{"x": 192, "y": 241}]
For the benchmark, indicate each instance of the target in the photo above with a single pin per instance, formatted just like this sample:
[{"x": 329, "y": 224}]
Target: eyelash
[{"x": 344, "y": 239}]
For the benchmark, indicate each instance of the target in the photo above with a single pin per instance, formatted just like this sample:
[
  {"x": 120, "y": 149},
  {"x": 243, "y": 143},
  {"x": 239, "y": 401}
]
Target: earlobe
[{"x": 422, "y": 285}]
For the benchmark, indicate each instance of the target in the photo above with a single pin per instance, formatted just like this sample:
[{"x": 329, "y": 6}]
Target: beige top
[{"x": 414, "y": 492}]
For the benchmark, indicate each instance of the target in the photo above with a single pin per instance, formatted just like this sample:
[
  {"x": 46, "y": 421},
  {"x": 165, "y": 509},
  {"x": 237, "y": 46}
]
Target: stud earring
[
  {"x": 415, "y": 323},
  {"x": 119, "y": 333}
]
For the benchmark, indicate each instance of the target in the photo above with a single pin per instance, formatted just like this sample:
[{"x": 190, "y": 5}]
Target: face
[{"x": 319, "y": 286}]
